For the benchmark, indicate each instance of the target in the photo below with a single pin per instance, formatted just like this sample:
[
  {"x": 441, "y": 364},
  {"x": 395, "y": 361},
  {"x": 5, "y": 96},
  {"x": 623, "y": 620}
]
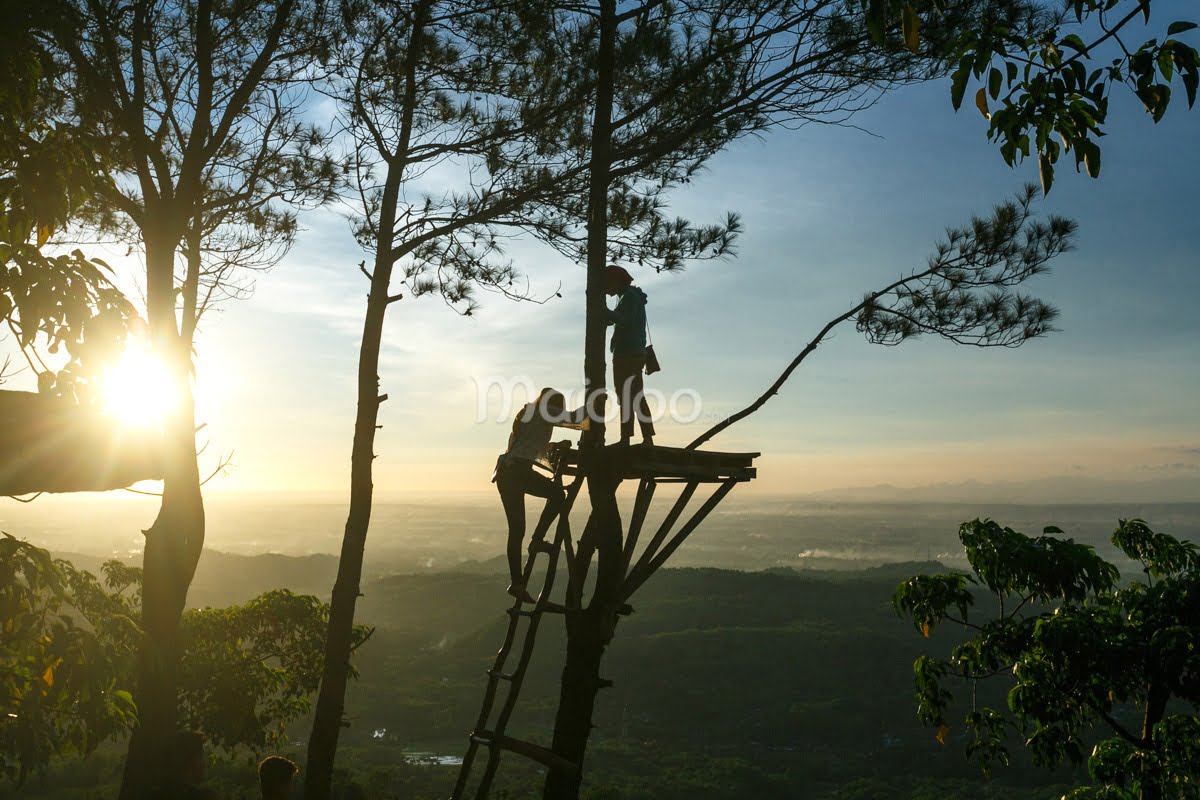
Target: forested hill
[{"x": 726, "y": 685}]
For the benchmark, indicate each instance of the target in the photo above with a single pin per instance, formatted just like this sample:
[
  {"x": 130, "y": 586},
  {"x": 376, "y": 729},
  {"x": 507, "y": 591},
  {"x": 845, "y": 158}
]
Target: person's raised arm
[
  {"x": 576, "y": 420},
  {"x": 618, "y": 315}
]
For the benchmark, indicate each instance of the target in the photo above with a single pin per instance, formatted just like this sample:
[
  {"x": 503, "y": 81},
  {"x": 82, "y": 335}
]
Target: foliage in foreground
[
  {"x": 68, "y": 649},
  {"x": 49, "y": 169},
  {"x": 1045, "y": 72},
  {"x": 61, "y": 689},
  {"x": 1079, "y": 652}
]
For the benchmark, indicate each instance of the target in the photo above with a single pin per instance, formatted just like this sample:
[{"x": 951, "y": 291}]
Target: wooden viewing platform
[
  {"x": 650, "y": 466},
  {"x": 671, "y": 464}
]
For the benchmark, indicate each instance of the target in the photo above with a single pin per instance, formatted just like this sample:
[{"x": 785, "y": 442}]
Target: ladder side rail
[
  {"x": 514, "y": 621},
  {"x": 648, "y": 567},
  {"x": 464, "y": 769},
  {"x": 493, "y": 682},
  {"x": 517, "y": 678},
  {"x": 545, "y": 519},
  {"x": 514, "y": 689},
  {"x": 489, "y": 702}
]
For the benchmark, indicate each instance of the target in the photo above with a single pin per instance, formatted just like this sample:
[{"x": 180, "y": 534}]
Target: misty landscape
[
  {"x": 767, "y": 662},
  {"x": 599, "y": 400},
  {"x": 435, "y": 533}
]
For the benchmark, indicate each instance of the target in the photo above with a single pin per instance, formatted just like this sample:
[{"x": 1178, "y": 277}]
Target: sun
[{"x": 138, "y": 390}]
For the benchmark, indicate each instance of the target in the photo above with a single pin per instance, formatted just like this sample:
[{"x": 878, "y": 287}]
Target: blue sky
[{"x": 829, "y": 213}]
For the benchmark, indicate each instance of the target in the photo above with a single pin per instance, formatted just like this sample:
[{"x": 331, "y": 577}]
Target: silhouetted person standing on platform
[
  {"x": 628, "y": 348},
  {"x": 517, "y": 472}
]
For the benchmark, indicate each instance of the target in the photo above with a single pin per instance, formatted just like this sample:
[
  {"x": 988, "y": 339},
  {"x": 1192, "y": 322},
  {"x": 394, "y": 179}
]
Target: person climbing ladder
[
  {"x": 628, "y": 348},
  {"x": 516, "y": 473}
]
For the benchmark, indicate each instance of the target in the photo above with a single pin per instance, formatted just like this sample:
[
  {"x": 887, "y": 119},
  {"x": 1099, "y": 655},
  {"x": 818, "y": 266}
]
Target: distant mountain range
[{"x": 1059, "y": 489}]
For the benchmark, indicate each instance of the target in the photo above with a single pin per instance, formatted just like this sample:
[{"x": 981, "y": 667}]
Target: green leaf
[
  {"x": 1046, "y": 172},
  {"x": 1156, "y": 98},
  {"x": 1079, "y": 73},
  {"x": 995, "y": 80},
  {"x": 1166, "y": 63},
  {"x": 1074, "y": 42},
  {"x": 1180, "y": 27},
  {"x": 958, "y": 85}
]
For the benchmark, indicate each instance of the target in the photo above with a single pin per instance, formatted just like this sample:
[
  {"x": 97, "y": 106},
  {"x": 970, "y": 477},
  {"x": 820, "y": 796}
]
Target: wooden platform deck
[{"x": 672, "y": 464}]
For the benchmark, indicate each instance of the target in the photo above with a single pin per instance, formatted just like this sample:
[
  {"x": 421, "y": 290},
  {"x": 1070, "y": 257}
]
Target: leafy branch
[{"x": 966, "y": 292}]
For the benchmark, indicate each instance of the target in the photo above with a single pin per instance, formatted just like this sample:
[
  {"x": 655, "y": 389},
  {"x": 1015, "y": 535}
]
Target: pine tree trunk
[
  {"x": 173, "y": 546},
  {"x": 588, "y": 630},
  {"x": 599, "y": 177},
  {"x": 577, "y": 700},
  {"x": 331, "y": 700}
]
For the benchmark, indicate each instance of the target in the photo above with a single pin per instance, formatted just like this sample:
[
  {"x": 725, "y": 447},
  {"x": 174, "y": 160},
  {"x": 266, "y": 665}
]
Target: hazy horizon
[{"x": 436, "y": 531}]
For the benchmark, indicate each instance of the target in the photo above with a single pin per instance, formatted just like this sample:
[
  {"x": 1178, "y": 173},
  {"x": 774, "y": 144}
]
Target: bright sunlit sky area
[{"x": 829, "y": 213}]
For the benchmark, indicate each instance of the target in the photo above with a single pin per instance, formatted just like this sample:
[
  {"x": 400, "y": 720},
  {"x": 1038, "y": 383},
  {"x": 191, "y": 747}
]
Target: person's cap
[{"x": 618, "y": 276}]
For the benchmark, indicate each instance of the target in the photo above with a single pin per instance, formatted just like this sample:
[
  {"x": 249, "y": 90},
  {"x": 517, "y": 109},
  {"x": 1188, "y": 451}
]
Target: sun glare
[{"x": 138, "y": 390}]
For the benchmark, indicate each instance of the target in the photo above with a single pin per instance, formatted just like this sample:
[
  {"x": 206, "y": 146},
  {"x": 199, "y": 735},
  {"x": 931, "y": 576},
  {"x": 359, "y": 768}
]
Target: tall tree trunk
[
  {"x": 581, "y": 682},
  {"x": 331, "y": 700},
  {"x": 599, "y": 177},
  {"x": 588, "y": 630},
  {"x": 173, "y": 546}
]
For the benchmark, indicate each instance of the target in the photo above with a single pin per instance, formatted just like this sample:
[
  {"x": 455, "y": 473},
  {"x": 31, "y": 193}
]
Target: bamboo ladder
[{"x": 493, "y": 737}]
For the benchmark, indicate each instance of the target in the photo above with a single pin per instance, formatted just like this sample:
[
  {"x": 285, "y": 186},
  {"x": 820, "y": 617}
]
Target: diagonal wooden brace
[
  {"x": 667, "y": 524},
  {"x": 651, "y": 562},
  {"x": 641, "y": 506}
]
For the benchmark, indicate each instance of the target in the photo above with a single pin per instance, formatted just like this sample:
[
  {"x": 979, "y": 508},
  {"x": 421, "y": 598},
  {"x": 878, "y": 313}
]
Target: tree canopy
[
  {"x": 1046, "y": 72},
  {"x": 68, "y": 657},
  {"x": 49, "y": 169},
  {"x": 1086, "y": 659},
  {"x": 62, "y": 689}
]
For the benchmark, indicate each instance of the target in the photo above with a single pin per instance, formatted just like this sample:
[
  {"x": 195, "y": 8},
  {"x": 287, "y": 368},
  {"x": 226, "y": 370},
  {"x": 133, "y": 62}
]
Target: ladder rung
[
  {"x": 544, "y": 608},
  {"x": 543, "y": 546},
  {"x": 534, "y": 752}
]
